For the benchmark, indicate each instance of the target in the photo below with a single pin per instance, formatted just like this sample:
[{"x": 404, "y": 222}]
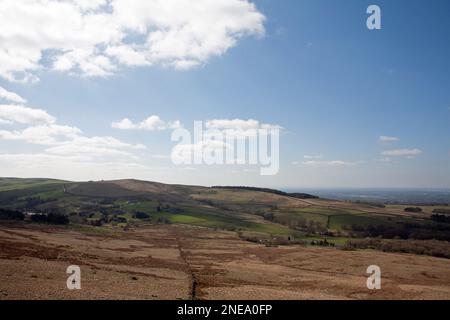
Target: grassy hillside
[
  {"x": 254, "y": 213},
  {"x": 17, "y": 183}
]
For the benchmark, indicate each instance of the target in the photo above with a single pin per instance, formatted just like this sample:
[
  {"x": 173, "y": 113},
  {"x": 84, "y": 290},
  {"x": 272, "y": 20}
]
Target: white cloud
[
  {"x": 95, "y": 147},
  {"x": 74, "y": 167},
  {"x": 44, "y": 135},
  {"x": 63, "y": 151},
  {"x": 402, "y": 153},
  {"x": 239, "y": 124},
  {"x": 90, "y": 152},
  {"x": 332, "y": 163},
  {"x": 68, "y": 141},
  {"x": 96, "y": 38},
  {"x": 89, "y": 4},
  {"x": 309, "y": 157},
  {"x": 238, "y": 128},
  {"x": 152, "y": 123},
  {"x": 106, "y": 141},
  {"x": 387, "y": 139},
  {"x": 232, "y": 124},
  {"x": 124, "y": 124},
  {"x": 315, "y": 161},
  {"x": 160, "y": 156},
  {"x": 127, "y": 55},
  {"x": 184, "y": 153},
  {"x": 61, "y": 140},
  {"x": 219, "y": 139},
  {"x": 25, "y": 115},
  {"x": 11, "y": 96}
]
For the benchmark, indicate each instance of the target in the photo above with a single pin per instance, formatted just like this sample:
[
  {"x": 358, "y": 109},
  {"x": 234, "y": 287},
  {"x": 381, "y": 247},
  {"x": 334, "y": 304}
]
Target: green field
[{"x": 115, "y": 204}]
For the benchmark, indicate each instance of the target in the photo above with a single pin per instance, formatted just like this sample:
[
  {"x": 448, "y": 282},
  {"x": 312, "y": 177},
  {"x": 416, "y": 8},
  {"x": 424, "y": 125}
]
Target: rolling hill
[{"x": 253, "y": 212}]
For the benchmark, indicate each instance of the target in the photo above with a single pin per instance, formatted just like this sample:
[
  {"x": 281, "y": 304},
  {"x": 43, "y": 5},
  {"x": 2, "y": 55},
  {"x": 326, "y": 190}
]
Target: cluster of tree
[
  {"x": 433, "y": 248},
  {"x": 323, "y": 243},
  {"x": 273, "y": 241},
  {"x": 120, "y": 219},
  {"x": 105, "y": 209},
  {"x": 314, "y": 227},
  {"x": 11, "y": 215},
  {"x": 267, "y": 190},
  {"x": 168, "y": 208},
  {"x": 441, "y": 211},
  {"x": 297, "y": 223},
  {"x": 39, "y": 218},
  {"x": 141, "y": 215},
  {"x": 269, "y": 216},
  {"x": 97, "y": 222},
  {"x": 51, "y": 218},
  {"x": 106, "y": 201},
  {"x": 413, "y": 209},
  {"x": 442, "y": 218},
  {"x": 301, "y": 195},
  {"x": 404, "y": 231}
]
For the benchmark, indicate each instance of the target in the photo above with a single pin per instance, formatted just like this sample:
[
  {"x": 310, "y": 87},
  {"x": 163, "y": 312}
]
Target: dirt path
[{"x": 189, "y": 269}]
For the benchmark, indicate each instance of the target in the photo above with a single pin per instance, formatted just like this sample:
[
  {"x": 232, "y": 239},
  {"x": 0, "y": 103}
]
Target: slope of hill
[
  {"x": 262, "y": 215},
  {"x": 273, "y": 191},
  {"x": 18, "y": 183}
]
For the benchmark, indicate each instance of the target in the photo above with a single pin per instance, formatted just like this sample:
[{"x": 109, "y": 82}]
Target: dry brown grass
[{"x": 162, "y": 262}]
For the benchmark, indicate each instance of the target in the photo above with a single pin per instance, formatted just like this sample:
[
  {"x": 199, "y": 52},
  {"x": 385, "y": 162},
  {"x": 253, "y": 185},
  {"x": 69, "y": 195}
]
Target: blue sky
[{"x": 316, "y": 70}]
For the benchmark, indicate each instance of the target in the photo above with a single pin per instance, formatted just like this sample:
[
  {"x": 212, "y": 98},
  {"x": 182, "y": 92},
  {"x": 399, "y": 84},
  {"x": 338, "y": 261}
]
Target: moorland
[{"x": 147, "y": 240}]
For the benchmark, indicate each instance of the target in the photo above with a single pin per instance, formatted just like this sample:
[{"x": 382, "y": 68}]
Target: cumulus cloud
[
  {"x": 38, "y": 127},
  {"x": 24, "y": 115},
  {"x": 11, "y": 96},
  {"x": 96, "y": 38},
  {"x": 387, "y": 139},
  {"x": 152, "y": 123},
  {"x": 69, "y": 141},
  {"x": 402, "y": 153},
  {"x": 44, "y": 135},
  {"x": 224, "y": 140},
  {"x": 95, "y": 147}
]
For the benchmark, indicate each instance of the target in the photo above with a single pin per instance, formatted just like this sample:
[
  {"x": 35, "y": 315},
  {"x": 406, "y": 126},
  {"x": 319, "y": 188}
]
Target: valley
[{"x": 145, "y": 240}]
